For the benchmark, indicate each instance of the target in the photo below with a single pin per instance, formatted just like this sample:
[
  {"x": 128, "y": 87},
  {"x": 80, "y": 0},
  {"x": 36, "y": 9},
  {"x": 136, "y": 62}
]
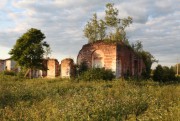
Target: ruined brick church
[{"x": 118, "y": 57}]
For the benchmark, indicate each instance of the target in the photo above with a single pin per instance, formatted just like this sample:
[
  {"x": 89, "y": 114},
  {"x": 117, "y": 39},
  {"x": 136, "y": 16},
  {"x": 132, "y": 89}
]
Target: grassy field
[{"x": 57, "y": 99}]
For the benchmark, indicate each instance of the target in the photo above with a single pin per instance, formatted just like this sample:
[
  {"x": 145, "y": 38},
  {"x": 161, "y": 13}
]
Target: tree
[
  {"x": 116, "y": 25},
  {"x": 88, "y": 32},
  {"x": 92, "y": 29},
  {"x": 164, "y": 74},
  {"x": 148, "y": 60},
  {"x": 29, "y": 50},
  {"x": 126, "y": 22},
  {"x": 172, "y": 74},
  {"x": 111, "y": 17},
  {"x": 137, "y": 47},
  {"x": 111, "y": 28},
  {"x": 47, "y": 52},
  {"x": 158, "y": 74},
  {"x": 102, "y": 29},
  {"x": 147, "y": 57}
]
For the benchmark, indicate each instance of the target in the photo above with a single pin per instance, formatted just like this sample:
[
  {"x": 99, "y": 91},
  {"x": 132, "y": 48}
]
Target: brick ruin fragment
[
  {"x": 67, "y": 68},
  {"x": 53, "y": 68},
  {"x": 118, "y": 57}
]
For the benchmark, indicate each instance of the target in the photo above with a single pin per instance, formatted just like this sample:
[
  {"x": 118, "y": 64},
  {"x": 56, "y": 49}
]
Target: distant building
[
  {"x": 118, "y": 57},
  {"x": 8, "y": 64}
]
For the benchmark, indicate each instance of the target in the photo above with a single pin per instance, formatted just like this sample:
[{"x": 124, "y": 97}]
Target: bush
[
  {"x": 20, "y": 74},
  {"x": 96, "y": 74},
  {"x": 164, "y": 74},
  {"x": 178, "y": 78},
  {"x": 11, "y": 73}
]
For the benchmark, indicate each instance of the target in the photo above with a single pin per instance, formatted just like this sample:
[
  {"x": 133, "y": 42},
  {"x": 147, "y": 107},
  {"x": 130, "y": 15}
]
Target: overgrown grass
[{"x": 57, "y": 99}]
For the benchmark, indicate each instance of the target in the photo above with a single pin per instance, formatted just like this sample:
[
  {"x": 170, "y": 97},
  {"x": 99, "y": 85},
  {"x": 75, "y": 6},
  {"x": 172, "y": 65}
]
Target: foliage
[
  {"x": 111, "y": 28},
  {"x": 158, "y": 73},
  {"x": 111, "y": 17},
  {"x": 28, "y": 50},
  {"x": 82, "y": 67},
  {"x": 96, "y": 74},
  {"x": 147, "y": 57},
  {"x": 93, "y": 28},
  {"x": 101, "y": 30},
  {"x": 11, "y": 73},
  {"x": 58, "y": 100},
  {"x": 164, "y": 74},
  {"x": 47, "y": 51},
  {"x": 148, "y": 60},
  {"x": 178, "y": 78}
]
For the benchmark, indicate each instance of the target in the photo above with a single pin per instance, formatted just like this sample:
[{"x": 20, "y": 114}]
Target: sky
[{"x": 156, "y": 23}]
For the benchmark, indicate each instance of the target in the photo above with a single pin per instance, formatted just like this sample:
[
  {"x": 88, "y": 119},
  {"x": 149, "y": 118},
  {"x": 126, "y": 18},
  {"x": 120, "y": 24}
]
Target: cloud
[
  {"x": 155, "y": 23},
  {"x": 3, "y": 3}
]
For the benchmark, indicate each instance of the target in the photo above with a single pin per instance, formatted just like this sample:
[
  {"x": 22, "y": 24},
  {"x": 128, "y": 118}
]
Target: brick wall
[
  {"x": 2, "y": 64},
  {"x": 53, "y": 68},
  {"x": 120, "y": 58},
  {"x": 108, "y": 54},
  {"x": 67, "y": 68}
]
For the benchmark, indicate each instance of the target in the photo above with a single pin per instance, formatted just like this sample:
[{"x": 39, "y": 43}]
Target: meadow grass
[{"x": 63, "y": 99}]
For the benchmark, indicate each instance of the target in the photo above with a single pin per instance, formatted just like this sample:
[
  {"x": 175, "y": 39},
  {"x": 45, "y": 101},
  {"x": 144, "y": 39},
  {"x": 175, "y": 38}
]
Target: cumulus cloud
[{"x": 156, "y": 24}]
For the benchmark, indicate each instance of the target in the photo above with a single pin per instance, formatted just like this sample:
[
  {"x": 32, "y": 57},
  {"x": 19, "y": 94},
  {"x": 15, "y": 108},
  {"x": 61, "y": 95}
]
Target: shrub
[
  {"x": 20, "y": 74},
  {"x": 158, "y": 73},
  {"x": 11, "y": 73},
  {"x": 164, "y": 74},
  {"x": 178, "y": 79},
  {"x": 83, "y": 67},
  {"x": 97, "y": 74}
]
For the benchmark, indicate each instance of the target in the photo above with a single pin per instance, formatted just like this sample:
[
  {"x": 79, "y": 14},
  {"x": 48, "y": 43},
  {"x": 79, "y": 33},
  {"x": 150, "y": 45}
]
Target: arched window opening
[{"x": 98, "y": 59}]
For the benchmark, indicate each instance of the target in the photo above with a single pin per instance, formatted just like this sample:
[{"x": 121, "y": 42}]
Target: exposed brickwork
[
  {"x": 109, "y": 51},
  {"x": 67, "y": 68},
  {"x": 44, "y": 71},
  {"x": 53, "y": 68},
  {"x": 2, "y": 64},
  {"x": 118, "y": 57}
]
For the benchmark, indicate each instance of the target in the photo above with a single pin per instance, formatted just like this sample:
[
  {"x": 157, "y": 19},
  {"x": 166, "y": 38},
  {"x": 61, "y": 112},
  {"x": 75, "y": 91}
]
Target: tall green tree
[
  {"x": 29, "y": 50},
  {"x": 92, "y": 29},
  {"x": 116, "y": 25},
  {"x": 110, "y": 28},
  {"x": 111, "y": 17}
]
